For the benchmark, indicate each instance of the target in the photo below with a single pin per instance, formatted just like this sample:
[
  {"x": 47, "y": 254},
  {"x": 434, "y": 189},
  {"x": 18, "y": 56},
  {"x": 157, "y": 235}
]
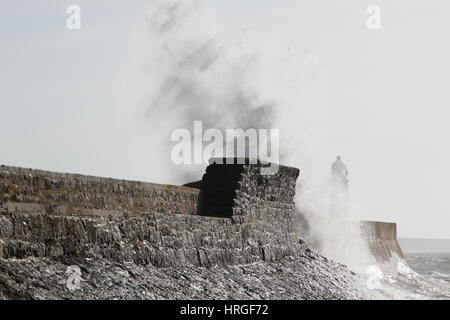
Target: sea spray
[{"x": 187, "y": 66}]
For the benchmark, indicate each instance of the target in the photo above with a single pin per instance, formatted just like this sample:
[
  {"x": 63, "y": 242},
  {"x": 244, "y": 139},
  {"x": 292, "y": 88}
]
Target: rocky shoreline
[{"x": 306, "y": 275}]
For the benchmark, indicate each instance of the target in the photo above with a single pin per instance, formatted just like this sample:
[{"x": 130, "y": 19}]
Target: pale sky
[{"x": 384, "y": 94}]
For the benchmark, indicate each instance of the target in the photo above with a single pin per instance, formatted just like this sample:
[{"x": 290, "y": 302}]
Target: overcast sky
[{"x": 385, "y": 93}]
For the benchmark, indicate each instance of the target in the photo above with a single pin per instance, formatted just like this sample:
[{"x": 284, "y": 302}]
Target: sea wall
[
  {"x": 45, "y": 214},
  {"x": 263, "y": 205},
  {"x": 234, "y": 215},
  {"x": 28, "y": 190},
  {"x": 383, "y": 245}
]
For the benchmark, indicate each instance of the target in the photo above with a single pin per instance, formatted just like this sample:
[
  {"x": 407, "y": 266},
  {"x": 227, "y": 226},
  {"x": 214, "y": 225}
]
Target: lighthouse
[{"x": 339, "y": 189}]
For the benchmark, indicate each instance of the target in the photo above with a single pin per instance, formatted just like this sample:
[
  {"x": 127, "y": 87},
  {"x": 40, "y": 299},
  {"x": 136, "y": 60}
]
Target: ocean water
[
  {"x": 433, "y": 265},
  {"x": 426, "y": 276}
]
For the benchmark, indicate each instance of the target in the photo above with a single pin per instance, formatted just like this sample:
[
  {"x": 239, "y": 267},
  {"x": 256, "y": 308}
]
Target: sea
[{"x": 424, "y": 276}]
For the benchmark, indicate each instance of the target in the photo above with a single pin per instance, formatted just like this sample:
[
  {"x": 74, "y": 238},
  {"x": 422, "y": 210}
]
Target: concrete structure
[
  {"x": 237, "y": 217},
  {"x": 28, "y": 190},
  {"x": 234, "y": 215},
  {"x": 383, "y": 244}
]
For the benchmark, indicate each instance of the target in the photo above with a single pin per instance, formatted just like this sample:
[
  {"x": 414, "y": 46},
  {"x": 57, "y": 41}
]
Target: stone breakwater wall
[
  {"x": 46, "y": 214},
  {"x": 382, "y": 241},
  {"x": 262, "y": 205},
  {"x": 28, "y": 190}
]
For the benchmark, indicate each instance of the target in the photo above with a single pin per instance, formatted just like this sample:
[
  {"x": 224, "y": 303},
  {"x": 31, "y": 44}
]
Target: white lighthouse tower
[{"x": 339, "y": 189}]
